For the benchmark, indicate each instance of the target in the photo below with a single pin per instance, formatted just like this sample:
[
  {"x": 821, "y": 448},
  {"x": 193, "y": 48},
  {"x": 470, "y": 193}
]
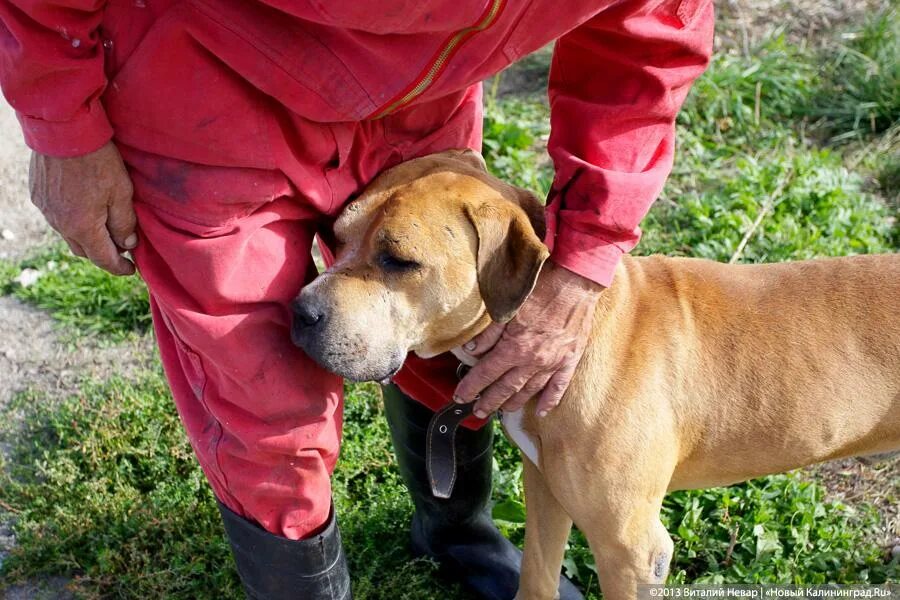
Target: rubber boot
[
  {"x": 276, "y": 568},
  {"x": 457, "y": 532}
]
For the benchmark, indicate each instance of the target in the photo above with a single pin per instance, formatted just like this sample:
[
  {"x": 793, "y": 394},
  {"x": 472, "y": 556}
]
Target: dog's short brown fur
[{"x": 697, "y": 373}]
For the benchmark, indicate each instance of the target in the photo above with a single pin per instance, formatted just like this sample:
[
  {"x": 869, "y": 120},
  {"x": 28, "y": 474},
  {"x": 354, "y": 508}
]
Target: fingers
[
  {"x": 500, "y": 391},
  {"x": 528, "y": 391},
  {"x": 88, "y": 199},
  {"x": 101, "y": 250},
  {"x": 485, "y": 340},
  {"x": 555, "y": 389},
  {"x": 75, "y": 247},
  {"x": 480, "y": 377},
  {"x": 121, "y": 221}
]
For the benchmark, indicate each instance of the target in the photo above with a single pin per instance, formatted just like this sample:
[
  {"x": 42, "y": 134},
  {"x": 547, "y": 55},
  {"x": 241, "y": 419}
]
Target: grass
[
  {"x": 81, "y": 297},
  {"x": 860, "y": 93},
  {"x": 103, "y": 487}
]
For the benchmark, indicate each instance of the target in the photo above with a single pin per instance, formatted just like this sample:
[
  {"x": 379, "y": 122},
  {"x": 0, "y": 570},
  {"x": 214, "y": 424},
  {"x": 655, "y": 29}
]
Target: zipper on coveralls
[{"x": 437, "y": 64}]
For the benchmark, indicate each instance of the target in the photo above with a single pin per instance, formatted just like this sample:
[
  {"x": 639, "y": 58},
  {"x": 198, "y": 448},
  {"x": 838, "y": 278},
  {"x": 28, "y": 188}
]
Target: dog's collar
[
  {"x": 440, "y": 446},
  {"x": 461, "y": 371},
  {"x": 440, "y": 443}
]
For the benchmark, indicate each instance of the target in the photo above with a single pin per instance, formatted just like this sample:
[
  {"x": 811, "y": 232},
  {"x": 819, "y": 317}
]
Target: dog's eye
[{"x": 395, "y": 264}]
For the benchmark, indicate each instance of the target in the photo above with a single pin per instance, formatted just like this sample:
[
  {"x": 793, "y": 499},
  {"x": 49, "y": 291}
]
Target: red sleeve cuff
[
  {"x": 87, "y": 132},
  {"x": 586, "y": 255}
]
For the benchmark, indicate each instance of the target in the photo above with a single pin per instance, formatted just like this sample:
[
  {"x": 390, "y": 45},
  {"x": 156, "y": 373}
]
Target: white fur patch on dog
[{"x": 512, "y": 425}]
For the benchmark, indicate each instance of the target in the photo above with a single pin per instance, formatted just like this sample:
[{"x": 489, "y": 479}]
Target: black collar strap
[
  {"x": 440, "y": 443},
  {"x": 440, "y": 447}
]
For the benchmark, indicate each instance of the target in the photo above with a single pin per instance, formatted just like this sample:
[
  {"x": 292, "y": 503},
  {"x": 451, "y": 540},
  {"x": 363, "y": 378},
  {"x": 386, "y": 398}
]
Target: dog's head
[{"x": 429, "y": 254}]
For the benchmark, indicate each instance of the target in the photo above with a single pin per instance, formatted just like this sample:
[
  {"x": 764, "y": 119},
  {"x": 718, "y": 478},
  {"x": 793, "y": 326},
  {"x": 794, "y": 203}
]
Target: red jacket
[{"x": 620, "y": 72}]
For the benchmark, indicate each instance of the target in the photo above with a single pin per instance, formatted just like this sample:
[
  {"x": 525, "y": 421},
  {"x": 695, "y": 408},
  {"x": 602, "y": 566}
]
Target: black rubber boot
[
  {"x": 457, "y": 532},
  {"x": 276, "y": 568}
]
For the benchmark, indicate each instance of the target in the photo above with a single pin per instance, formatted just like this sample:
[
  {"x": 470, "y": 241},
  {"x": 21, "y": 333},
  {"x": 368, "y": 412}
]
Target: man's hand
[
  {"x": 537, "y": 351},
  {"x": 87, "y": 199}
]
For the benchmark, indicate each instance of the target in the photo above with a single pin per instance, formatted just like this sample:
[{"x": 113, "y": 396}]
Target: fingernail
[
  {"x": 542, "y": 413},
  {"x": 469, "y": 346},
  {"x": 480, "y": 414},
  {"x": 458, "y": 400},
  {"x": 131, "y": 241}
]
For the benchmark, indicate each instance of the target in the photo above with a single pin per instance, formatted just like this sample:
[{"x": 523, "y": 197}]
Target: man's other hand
[{"x": 87, "y": 199}]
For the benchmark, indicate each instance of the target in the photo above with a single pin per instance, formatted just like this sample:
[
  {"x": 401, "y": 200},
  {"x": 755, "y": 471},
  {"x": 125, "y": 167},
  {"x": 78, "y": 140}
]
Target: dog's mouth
[
  {"x": 390, "y": 375},
  {"x": 361, "y": 372},
  {"x": 352, "y": 359}
]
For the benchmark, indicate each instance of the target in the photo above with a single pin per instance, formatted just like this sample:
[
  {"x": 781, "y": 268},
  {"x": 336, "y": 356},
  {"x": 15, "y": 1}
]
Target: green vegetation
[
  {"x": 778, "y": 149},
  {"x": 512, "y": 130},
  {"x": 80, "y": 296},
  {"x": 860, "y": 91},
  {"x": 105, "y": 487}
]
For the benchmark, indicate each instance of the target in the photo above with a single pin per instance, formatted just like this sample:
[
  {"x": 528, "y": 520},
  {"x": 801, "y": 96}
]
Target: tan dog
[{"x": 697, "y": 374}]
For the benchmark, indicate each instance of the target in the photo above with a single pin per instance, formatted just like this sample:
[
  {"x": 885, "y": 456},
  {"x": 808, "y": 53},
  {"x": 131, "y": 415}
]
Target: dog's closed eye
[{"x": 394, "y": 264}]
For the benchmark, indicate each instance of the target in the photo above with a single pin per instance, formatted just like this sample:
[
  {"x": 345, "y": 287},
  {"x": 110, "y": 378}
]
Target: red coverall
[{"x": 246, "y": 126}]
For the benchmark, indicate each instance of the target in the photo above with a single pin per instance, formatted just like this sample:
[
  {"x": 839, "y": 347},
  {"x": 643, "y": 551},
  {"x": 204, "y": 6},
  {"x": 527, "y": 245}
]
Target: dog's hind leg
[{"x": 547, "y": 529}]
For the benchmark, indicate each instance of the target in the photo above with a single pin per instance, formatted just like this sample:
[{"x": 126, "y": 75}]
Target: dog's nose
[{"x": 306, "y": 313}]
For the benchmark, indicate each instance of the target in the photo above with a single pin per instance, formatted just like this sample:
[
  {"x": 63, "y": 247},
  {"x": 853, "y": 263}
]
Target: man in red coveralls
[{"x": 214, "y": 138}]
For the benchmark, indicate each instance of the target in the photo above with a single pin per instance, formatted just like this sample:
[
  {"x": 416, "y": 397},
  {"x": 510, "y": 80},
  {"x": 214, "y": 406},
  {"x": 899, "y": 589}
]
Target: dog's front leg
[
  {"x": 547, "y": 529},
  {"x": 630, "y": 545}
]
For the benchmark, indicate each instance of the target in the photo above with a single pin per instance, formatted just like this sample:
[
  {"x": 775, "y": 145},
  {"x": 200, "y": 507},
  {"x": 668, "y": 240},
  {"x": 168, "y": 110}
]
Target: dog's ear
[
  {"x": 467, "y": 156},
  {"x": 510, "y": 257},
  {"x": 533, "y": 208}
]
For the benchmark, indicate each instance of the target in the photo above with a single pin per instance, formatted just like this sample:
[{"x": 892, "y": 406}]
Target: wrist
[{"x": 569, "y": 281}]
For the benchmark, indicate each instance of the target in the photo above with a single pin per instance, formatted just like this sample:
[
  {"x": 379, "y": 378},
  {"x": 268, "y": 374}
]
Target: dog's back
[{"x": 770, "y": 367}]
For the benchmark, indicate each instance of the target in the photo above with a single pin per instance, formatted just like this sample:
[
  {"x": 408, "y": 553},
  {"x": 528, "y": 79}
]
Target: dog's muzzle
[{"x": 308, "y": 318}]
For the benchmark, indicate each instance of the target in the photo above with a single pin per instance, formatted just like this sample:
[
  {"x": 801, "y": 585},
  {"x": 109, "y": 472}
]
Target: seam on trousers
[{"x": 200, "y": 395}]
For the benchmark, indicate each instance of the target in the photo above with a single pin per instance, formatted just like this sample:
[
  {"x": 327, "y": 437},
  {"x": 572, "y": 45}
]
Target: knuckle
[
  {"x": 492, "y": 397},
  {"x": 532, "y": 388},
  {"x": 559, "y": 386},
  {"x": 490, "y": 404},
  {"x": 80, "y": 230},
  {"x": 504, "y": 389}
]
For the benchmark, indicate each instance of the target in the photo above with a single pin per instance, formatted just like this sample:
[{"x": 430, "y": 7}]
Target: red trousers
[{"x": 263, "y": 418}]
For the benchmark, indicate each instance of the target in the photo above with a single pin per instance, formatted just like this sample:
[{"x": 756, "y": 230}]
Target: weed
[
  {"x": 105, "y": 488},
  {"x": 739, "y": 98},
  {"x": 815, "y": 207},
  {"x": 860, "y": 91},
  {"x": 514, "y": 132}
]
